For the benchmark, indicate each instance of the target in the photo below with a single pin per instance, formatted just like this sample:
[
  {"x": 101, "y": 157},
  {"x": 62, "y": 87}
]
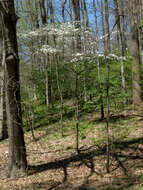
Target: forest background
[{"x": 80, "y": 65}]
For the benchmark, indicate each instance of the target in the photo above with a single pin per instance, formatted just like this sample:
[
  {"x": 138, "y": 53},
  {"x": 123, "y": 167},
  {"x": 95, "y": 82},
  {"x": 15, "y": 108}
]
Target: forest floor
[{"x": 55, "y": 165}]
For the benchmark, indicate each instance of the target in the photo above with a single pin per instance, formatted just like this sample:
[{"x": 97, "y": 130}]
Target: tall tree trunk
[
  {"x": 107, "y": 50},
  {"x": 103, "y": 23},
  {"x": 60, "y": 94},
  {"x": 122, "y": 24},
  {"x": 44, "y": 18},
  {"x": 52, "y": 21},
  {"x": 17, "y": 163},
  {"x": 48, "y": 81},
  {"x": 77, "y": 112},
  {"x": 51, "y": 11},
  {"x": 76, "y": 8},
  {"x": 86, "y": 14},
  {"x": 36, "y": 14},
  {"x": 86, "y": 26},
  {"x": 63, "y": 3},
  {"x": 70, "y": 10},
  {"x": 82, "y": 13},
  {"x": 140, "y": 17},
  {"x": 43, "y": 12},
  {"x": 136, "y": 66},
  {"x": 107, "y": 28},
  {"x": 122, "y": 49},
  {"x": 71, "y": 20},
  {"x": 98, "y": 63},
  {"x": 3, "y": 123}
]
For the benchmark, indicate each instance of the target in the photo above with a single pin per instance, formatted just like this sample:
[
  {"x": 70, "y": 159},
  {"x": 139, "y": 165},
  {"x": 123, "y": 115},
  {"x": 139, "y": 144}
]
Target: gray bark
[
  {"x": 3, "y": 123},
  {"x": 135, "y": 52},
  {"x": 107, "y": 50},
  {"x": 122, "y": 48},
  {"x": 17, "y": 163},
  {"x": 98, "y": 63}
]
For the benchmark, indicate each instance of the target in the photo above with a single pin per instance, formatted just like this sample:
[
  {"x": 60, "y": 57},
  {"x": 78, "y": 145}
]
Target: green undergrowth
[
  {"x": 123, "y": 129},
  {"x": 92, "y": 130},
  {"x": 90, "y": 126}
]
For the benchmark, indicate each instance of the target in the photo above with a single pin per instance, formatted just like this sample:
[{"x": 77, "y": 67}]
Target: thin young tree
[
  {"x": 122, "y": 48},
  {"x": 98, "y": 61},
  {"x": 76, "y": 8},
  {"x": 86, "y": 26},
  {"x": 44, "y": 18},
  {"x": 103, "y": 22},
  {"x": 107, "y": 50}
]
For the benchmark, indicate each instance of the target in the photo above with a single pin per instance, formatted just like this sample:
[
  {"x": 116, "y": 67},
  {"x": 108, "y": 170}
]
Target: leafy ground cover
[{"x": 54, "y": 163}]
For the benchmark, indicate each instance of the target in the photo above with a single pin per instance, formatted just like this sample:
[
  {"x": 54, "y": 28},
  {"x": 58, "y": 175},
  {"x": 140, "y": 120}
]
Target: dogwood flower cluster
[
  {"x": 81, "y": 57},
  {"x": 110, "y": 56},
  {"x": 64, "y": 29},
  {"x": 66, "y": 34},
  {"x": 48, "y": 49}
]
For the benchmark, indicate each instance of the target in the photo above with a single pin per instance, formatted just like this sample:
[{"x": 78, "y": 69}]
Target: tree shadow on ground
[
  {"x": 84, "y": 158},
  {"x": 127, "y": 151},
  {"x": 117, "y": 118},
  {"x": 104, "y": 187},
  {"x": 48, "y": 185}
]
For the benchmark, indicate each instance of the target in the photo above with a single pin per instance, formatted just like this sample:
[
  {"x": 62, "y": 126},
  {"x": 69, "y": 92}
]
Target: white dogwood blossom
[
  {"x": 33, "y": 33},
  {"x": 66, "y": 36},
  {"x": 48, "y": 49}
]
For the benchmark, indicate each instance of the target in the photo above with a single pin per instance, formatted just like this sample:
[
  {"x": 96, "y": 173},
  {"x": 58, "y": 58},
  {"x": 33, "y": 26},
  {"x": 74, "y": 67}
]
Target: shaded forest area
[{"x": 71, "y": 94}]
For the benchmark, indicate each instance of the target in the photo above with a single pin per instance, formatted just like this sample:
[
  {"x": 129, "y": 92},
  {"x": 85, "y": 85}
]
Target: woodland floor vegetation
[
  {"x": 54, "y": 163},
  {"x": 71, "y": 94}
]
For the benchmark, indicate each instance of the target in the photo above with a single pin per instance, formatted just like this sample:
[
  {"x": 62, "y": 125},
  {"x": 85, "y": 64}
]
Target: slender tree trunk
[
  {"x": 107, "y": 117},
  {"x": 43, "y": 11},
  {"x": 122, "y": 50},
  {"x": 48, "y": 81},
  {"x": 51, "y": 11},
  {"x": 107, "y": 50},
  {"x": 44, "y": 18},
  {"x": 82, "y": 13},
  {"x": 98, "y": 63},
  {"x": 70, "y": 10},
  {"x": 63, "y": 18},
  {"x": 86, "y": 14},
  {"x": 76, "y": 8},
  {"x": 17, "y": 163},
  {"x": 77, "y": 113},
  {"x": 136, "y": 66},
  {"x": 63, "y": 9},
  {"x": 86, "y": 41},
  {"x": 51, "y": 95},
  {"x": 103, "y": 23},
  {"x": 140, "y": 16},
  {"x": 36, "y": 14},
  {"x": 84, "y": 87},
  {"x": 52, "y": 21},
  {"x": 61, "y": 97},
  {"x": 71, "y": 20},
  {"x": 107, "y": 28},
  {"x": 122, "y": 24}
]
